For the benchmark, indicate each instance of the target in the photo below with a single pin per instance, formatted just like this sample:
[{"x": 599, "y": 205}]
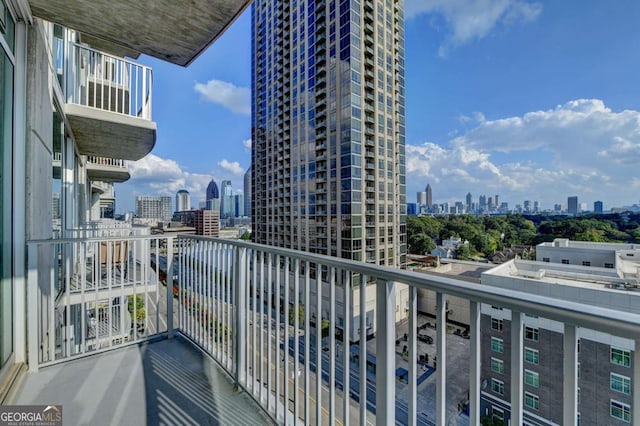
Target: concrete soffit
[{"x": 173, "y": 31}]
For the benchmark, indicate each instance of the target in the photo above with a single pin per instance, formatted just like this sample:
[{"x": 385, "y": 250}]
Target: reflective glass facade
[{"x": 328, "y": 155}]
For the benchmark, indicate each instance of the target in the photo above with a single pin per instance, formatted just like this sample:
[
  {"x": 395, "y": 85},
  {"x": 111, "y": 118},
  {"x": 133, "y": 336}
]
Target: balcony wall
[{"x": 107, "y": 169}]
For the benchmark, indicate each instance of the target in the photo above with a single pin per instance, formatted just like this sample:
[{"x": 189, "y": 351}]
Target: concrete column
[
  {"x": 475, "y": 363},
  {"x": 441, "y": 355},
  {"x": 385, "y": 352},
  {"x": 570, "y": 376},
  {"x": 516, "y": 368}
]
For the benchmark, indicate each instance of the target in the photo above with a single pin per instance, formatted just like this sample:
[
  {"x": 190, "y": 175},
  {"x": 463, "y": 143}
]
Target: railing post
[
  {"x": 239, "y": 313},
  {"x": 385, "y": 352},
  {"x": 32, "y": 307},
  {"x": 570, "y": 375},
  {"x": 516, "y": 368},
  {"x": 170, "y": 325},
  {"x": 441, "y": 359},
  {"x": 635, "y": 385},
  {"x": 474, "y": 367},
  {"x": 413, "y": 355}
]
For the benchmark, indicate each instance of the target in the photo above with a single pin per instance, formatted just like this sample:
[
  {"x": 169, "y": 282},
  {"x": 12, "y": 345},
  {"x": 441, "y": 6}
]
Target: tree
[
  {"x": 246, "y": 236},
  {"x": 463, "y": 252},
  {"x": 421, "y": 244}
]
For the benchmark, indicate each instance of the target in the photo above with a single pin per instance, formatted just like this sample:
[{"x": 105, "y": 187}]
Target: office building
[
  {"x": 429, "y": 195},
  {"x": 207, "y": 223},
  {"x": 603, "y": 370},
  {"x": 247, "y": 193},
  {"x": 469, "y": 202},
  {"x": 154, "y": 207},
  {"x": 226, "y": 199},
  {"x": 328, "y": 156},
  {"x": 421, "y": 198},
  {"x": 212, "y": 196},
  {"x": 598, "y": 207},
  {"x": 183, "y": 200},
  {"x": 572, "y": 205}
]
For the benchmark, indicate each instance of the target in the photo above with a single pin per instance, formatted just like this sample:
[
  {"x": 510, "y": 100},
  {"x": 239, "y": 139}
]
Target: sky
[{"x": 531, "y": 100}]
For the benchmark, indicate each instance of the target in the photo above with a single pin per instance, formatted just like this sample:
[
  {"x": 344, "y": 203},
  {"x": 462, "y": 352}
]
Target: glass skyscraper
[{"x": 328, "y": 109}]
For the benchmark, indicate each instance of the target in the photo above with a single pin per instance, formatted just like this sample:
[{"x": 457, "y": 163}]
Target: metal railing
[
  {"x": 87, "y": 295},
  {"x": 313, "y": 339},
  {"x": 106, "y": 161},
  {"x": 295, "y": 331},
  {"x": 96, "y": 79}
]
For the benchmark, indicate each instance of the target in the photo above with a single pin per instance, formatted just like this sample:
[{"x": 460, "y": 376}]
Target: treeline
[{"x": 488, "y": 233}]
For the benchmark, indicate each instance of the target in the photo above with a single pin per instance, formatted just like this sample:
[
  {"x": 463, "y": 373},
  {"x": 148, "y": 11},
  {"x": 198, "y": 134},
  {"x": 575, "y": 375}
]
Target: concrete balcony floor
[{"x": 166, "y": 382}]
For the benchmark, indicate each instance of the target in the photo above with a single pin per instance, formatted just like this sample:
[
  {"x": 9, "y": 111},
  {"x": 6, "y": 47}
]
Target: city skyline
[{"x": 517, "y": 125}]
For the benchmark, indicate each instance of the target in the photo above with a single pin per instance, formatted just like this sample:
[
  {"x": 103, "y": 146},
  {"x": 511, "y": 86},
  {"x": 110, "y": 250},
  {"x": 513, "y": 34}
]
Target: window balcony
[{"x": 185, "y": 312}]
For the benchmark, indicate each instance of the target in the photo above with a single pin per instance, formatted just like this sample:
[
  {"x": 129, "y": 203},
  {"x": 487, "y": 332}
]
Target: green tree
[
  {"x": 292, "y": 312},
  {"x": 421, "y": 244}
]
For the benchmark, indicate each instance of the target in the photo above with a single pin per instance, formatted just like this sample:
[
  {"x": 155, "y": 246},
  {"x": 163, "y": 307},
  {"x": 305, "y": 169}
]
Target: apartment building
[
  {"x": 154, "y": 207},
  {"x": 606, "y": 363},
  {"x": 207, "y": 222},
  {"x": 328, "y": 131}
]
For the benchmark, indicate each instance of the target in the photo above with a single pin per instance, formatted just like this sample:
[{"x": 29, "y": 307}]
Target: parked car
[{"x": 425, "y": 338}]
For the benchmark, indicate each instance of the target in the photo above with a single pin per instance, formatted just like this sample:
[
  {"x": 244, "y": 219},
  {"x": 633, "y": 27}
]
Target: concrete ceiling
[{"x": 176, "y": 31}]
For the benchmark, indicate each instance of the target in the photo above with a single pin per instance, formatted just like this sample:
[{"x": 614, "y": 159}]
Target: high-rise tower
[
  {"x": 429, "y": 192},
  {"x": 213, "y": 196},
  {"x": 183, "y": 200},
  {"x": 328, "y": 157},
  {"x": 247, "y": 192}
]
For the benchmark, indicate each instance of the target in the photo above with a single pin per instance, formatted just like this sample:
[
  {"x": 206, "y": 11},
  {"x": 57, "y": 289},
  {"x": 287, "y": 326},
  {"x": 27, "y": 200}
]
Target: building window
[
  {"x": 497, "y": 386},
  {"x": 620, "y": 357},
  {"x": 532, "y": 378},
  {"x": 620, "y": 383},
  {"x": 565, "y": 261},
  {"x": 496, "y": 324},
  {"x": 608, "y": 265},
  {"x": 586, "y": 263},
  {"x": 620, "y": 411},
  {"x": 498, "y": 415},
  {"x": 531, "y": 400},
  {"x": 532, "y": 356},
  {"x": 497, "y": 365},
  {"x": 546, "y": 259},
  {"x": 578, "y": 370},
  {"x": 531, "y": 333},
  {"x": 497, "y": 345}
]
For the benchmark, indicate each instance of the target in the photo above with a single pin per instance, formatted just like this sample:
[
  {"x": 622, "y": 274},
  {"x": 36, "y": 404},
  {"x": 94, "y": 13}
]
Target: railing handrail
[
  {"x": 97, "y": 239},
  {"x": 99, "y": 52},
  {"x": 614, "y": 321},
  {"x": 106, "y": 161}
]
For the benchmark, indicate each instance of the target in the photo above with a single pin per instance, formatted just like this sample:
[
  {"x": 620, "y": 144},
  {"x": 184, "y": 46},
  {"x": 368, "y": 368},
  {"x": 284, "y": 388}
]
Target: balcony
[
  {"x": 107, "y": 169},
  {"x": 109, "y": 104},
  {"x": 262, "y": 316},
  {"x": 167, "y": 31}
]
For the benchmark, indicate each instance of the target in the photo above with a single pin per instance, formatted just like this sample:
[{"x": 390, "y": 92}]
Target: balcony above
[
  {"x": 109, "y": 104},
  {"x": 107, "y": 169},
  {"x": 172, "y": 31}
]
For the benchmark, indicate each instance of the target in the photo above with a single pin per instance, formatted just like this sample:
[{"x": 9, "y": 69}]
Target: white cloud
[
  {"x": 247, "y": 145},
  {"x": 469, "y": 20},
  {"x": 237, "y": 99},
  {"x": 233, "y": 167},
  {"x": 154, "y": 175},
  {"x": 581, "y": 147}
]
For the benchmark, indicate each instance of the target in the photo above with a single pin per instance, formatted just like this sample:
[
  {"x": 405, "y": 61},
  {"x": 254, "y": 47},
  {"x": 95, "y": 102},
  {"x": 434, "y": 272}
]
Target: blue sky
[{"x": 533, "y": 100}]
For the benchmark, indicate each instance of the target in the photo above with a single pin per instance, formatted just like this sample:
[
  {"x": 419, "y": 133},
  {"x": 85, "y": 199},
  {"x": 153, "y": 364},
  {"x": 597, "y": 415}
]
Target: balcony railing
[
  {"x": 98, "y": 80},
  {"x": 311, "y": 338},
  {"x": 105, "y": 161}
]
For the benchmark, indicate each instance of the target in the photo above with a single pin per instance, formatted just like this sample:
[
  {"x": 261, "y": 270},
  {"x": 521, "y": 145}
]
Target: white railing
[
  {"x": 96, "y": 79},
  {"x": 106, "y": 161},
  {"x": 293, "y": 329},
  {"x": 261, "y": 312},
  {"x": 87, "y": 295}
]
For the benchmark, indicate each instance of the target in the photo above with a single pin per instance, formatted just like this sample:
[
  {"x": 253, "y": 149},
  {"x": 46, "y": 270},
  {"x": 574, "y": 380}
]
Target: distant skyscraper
[
  {"x": 247, "y": 193},
  {"x": 183, "y": 200},
  {"x": 429, "y": 195},
  {"x": 598, "y": 207},
  {"x": 422, "y": 198},
  {"x": 536, "y": 207},
  {"x": 527, "y": 206},
  {"x": 496, "y": 200},
  {"x": 328, "y": 152},
  {"x": 572, "y": 205},
  {"x": 226, "y": 199},
  {"x": 213, "y": 196},
  {"x": 469, "y": 201},
  {"x": 482, "y": 201}
]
